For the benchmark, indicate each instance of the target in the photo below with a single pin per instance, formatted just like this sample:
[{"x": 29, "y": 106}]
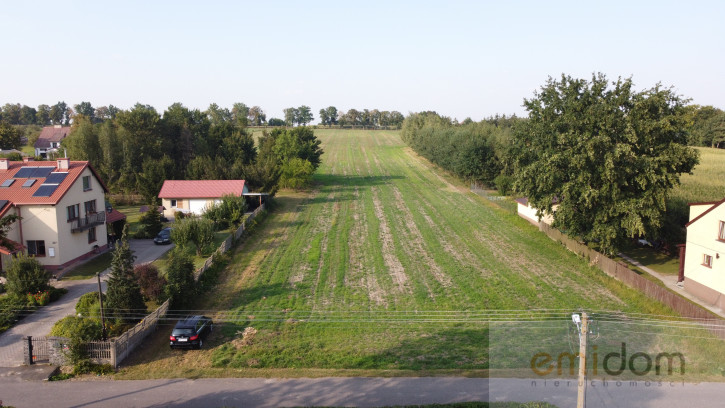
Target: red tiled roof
[
  {"x": 9, "y": 247},
  {"x": 51, "y": 134},
  {"x": 114, "y": 216},
  {"x": 20, "y": 195},
  {"x": 201, "y": 188}
]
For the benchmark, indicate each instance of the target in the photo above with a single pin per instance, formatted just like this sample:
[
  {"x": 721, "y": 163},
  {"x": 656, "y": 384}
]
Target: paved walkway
[
  {"x": 670, "y": 282},
  {"x": 38, "y": 324}
]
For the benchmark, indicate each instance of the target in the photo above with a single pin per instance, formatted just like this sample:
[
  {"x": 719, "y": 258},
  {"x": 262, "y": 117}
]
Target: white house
[
  {"x": 61, "y": 205},
  {"x": 528, "y": 212},
  {"x": 195, "y": 196},
  {"x": 49, "y": 140},
  {"x": 704, "y": 265}
]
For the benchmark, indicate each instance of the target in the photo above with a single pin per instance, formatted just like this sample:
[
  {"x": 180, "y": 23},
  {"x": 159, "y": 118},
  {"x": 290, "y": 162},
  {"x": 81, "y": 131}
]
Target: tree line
[
  {"x": 135, "y": 150},
  {"x": 604, "y": 154}
]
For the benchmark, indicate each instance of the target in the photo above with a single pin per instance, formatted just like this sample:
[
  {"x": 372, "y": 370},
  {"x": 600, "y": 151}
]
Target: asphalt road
[
  {"x": 40, "y": 322},
  {"x": 363, "y": 392}
]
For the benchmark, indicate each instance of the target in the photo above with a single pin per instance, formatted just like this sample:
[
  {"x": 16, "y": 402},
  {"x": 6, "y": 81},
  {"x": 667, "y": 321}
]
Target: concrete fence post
[{"x": 28, "y": 351}]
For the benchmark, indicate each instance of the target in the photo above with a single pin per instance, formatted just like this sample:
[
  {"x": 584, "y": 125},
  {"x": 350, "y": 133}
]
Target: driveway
[{"x": 39, "y": 323}]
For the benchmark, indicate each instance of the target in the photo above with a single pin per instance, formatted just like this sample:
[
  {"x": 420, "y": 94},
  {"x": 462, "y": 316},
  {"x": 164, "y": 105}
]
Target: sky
[{"x": 460, "y": 58}]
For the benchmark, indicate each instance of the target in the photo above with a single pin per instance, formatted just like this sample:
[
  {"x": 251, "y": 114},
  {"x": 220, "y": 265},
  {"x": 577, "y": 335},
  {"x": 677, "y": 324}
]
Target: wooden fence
[{"x": 651, "y": 289}]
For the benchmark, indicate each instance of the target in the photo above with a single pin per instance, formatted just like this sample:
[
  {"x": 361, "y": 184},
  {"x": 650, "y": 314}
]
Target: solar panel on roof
[
  {"x": 41, "y": 172},
  {"x": 24, "y": 172},
  {"x": 7, "y": 183},
  {"x": 55, "y": 178},
  {"x": 46, "y": 190},
  {"x": 29, "y": 183}
]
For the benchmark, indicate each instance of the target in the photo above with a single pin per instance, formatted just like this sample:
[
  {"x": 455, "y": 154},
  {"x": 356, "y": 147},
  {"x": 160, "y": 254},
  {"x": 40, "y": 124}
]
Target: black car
[
  {"x": 163, "y": 237},
  {"x": 190, "y": 332}
]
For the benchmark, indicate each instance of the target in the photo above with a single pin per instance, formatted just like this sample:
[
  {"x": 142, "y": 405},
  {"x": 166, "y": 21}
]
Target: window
[
  {"x": 8, "y": 183},
  {"x": 92, "y": 235},
  {"x": 173, "y": 203},
  {"x": 86, "y": 183},
  {"x": 707, "y": 260},
  {"x": 36, "y": 248},
  {"x": 90, "y": 207},
  {"x": 73, "y": 212},
  {"x": 721, "y": 234}
]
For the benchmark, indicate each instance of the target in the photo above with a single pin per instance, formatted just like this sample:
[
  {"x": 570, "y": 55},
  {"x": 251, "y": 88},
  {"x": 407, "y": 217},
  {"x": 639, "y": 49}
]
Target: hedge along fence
[
  {"x": 652, "y": 290},
  {"x": 229, "y": 242},
  {"x": 116, "y": 350}
]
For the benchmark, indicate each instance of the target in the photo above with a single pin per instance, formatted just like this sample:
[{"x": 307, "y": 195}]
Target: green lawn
[
  {"x": 91, "y": 268},
  {"x": 382, "y": 268},
  {"x": 133, "y": 217}
]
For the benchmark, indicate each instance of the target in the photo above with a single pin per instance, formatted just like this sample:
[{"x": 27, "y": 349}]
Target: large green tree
[
  {"x": 608, "y": 155},
  {"x": 304, "y": 115},
  {"x": 299, "y": 142},
  {"x": 82, "y": 142},
  {"x": 10, "y": 136}
]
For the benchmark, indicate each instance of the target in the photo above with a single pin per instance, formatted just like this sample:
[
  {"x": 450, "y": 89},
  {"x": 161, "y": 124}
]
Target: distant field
[
  {"x": 384, "y": 265},
  {"x": 707, "y": 183}
]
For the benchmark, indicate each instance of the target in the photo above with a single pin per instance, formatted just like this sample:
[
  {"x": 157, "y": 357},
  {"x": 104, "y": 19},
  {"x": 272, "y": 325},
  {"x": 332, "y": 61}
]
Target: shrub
[
  {"x": 296, "y": 173},
  {"x": 2, "y": 288},
  {"x": 85, "y": 329},
  {"x": 38, "y": 298},
  {"x": 180, "y": 272},
  {"x": 88, "y": 303},
  {"x": 230, "y": 211},
  {"x": 504, "y": 184},
  {"x": 179, "y": 215},
  {"x": 151, "y": 221},
  {"x": 198, "y": 231},
  {"x": 151, "y": 282},
  {"x": 26, "y": 275}
]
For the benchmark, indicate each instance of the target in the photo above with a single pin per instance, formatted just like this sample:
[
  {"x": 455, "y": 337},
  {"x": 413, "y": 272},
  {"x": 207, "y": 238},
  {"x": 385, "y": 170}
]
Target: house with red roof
[
  {"x": 196, "y": 196},
  {"x": 49, "y": 140},
  {"x": 703, "y": 261},
  {"x": 61, "y": 205}
]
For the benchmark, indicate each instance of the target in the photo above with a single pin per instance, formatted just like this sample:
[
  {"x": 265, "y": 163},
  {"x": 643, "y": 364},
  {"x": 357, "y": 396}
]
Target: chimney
[
  {"x": 63, "y": 164},
  {"x": 57, "y": 126},
  {"x": 4, "y": 163},
  {"x": 27, "y": 159}
]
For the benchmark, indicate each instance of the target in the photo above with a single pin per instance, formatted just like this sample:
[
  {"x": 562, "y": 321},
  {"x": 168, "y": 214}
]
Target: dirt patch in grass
[
  {"x": 417, "y": 247},
  {"x": 395, "y": 268},
  {"x": 357, "y": 275}
]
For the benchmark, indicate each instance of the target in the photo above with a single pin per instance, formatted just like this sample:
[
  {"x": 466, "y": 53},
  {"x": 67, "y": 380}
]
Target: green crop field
[
  {"x": 707, "y": 182},
  {"x": 385, "y": 266}
]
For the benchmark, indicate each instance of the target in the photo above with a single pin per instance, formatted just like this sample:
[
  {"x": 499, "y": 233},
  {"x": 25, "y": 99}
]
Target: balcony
[{"x": 88, "y": 222}]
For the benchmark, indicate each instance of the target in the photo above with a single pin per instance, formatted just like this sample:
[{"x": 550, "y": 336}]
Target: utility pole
[
  {"x": 581, "y": 400},
  {"x": 100, "y": 298}
]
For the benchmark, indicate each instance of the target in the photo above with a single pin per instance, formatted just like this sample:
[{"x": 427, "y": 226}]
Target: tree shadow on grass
[{"x": 437, "y": 349}]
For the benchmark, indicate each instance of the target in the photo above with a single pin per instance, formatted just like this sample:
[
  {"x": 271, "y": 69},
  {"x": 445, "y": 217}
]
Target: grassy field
[
  {"x": 707, "y": 183},
  {"x": 381, "y": 269}
]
